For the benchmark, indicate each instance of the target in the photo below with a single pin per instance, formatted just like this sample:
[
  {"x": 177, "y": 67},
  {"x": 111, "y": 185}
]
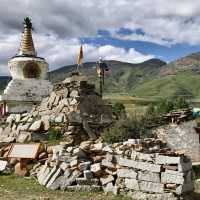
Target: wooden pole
[
  {"x": 101, "y": 86},
  {"x": 4, "y": 108}
]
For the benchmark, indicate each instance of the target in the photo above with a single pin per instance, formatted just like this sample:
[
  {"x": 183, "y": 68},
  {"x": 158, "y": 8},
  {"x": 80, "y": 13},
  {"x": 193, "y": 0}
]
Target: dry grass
[{"x": 16, "y": 188}]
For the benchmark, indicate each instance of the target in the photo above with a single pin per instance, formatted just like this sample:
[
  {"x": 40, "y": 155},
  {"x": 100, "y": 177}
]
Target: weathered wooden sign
[{"x": 29, "y": 151}]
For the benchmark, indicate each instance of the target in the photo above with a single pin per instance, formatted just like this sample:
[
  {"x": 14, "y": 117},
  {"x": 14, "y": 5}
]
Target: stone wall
[
  {"x": 130, "y": 168},
  {"x": 182, "y": 137},
  {"x": 73, "y": 108}
]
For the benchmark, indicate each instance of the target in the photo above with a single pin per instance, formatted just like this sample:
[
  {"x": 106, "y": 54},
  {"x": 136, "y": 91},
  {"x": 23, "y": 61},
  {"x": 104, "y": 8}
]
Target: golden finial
[{"x": 27, "y": 46}]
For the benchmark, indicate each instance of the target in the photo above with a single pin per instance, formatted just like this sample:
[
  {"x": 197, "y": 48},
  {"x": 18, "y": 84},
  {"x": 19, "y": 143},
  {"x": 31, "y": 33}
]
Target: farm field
[{"x": 134, "y": 105}]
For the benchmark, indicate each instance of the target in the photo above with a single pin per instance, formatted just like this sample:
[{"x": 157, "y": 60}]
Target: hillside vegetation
[
  {"x": 150, "y": 79},
  {"x": 122, "y": 77}
]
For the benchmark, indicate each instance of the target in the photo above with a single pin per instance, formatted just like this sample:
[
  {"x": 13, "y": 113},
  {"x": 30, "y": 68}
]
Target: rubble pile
[
  {"x": 146, "y": 169},
  {"x": 178, "y": 116},
  {"x": 143, "y": 168},
  {"x": 73, "y": 108}
]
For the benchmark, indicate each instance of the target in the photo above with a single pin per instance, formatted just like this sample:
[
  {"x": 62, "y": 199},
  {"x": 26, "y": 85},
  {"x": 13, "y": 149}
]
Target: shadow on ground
[{"x": 193, "y": 196}]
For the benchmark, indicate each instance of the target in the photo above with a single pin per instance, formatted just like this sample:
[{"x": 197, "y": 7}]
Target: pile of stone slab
[
  {"x": 125, "y": 168},
  {"x": 178, "y": 116},
  {"x": 73, "y": 108}
]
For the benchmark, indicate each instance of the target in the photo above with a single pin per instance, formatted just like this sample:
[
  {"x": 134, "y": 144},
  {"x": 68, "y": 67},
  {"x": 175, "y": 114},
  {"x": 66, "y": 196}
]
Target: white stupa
[{"x": 28, "y": 85}]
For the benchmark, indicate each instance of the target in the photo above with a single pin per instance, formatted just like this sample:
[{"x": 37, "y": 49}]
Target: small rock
[{"x": 36, "y": 126}]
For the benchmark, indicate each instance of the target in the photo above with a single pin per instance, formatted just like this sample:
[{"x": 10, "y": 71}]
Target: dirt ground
[{"x": 16, "y": 188}]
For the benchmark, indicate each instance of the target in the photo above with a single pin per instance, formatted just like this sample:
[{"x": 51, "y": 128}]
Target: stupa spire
[{"x": 27, "y": 46}]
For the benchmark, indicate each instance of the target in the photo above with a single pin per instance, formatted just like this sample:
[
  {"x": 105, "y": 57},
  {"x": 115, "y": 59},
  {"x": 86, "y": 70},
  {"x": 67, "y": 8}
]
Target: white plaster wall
[
  {"x": 17, "y": 65},
  {"x": 19, "y": 107},
  {"x": 27, "y": 90}
]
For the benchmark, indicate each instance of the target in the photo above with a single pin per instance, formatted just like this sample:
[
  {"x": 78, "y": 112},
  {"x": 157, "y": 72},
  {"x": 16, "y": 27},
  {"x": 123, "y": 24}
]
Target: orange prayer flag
[{"x": 80, "y": 56}]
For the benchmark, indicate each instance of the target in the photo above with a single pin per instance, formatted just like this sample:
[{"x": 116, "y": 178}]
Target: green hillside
[
  {"x": 178, "y": 78},
  {"x": 122, "y": 77},
  {"x": 152, "y": 78},
  {"x": 184, "y": 84}
]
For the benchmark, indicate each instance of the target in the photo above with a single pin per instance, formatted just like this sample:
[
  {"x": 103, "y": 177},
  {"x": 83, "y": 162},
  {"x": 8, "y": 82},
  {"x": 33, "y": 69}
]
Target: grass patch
[{"x": 17, "y": 188}]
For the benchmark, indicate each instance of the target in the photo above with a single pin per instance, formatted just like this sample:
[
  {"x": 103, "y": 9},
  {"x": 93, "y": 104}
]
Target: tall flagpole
[
  {"x": 101, "y": 86},
  {"x": 100, "y": 79}
]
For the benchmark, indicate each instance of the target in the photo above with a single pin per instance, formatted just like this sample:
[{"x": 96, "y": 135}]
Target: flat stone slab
[
  {"x": 54, "y": 177},
  {"x": 142, "y": 156},
  {"x": 131, "y": 184},
  {"x": 43, "y": 173},
  {"x": 149, "y": 176},
  {"x": 151, "y": 187},
  {"x": 167, "y": 177},
  {"x": 110, "y": 188},
  {"x": 36, "y": 126},
  {"x": 84, "y": 181},
  {"x": 126, "y": 173},
  {"x": 106, "y": 180},
  {"x": 139, "y": 165},
  {"x": 167, "y": 160}
]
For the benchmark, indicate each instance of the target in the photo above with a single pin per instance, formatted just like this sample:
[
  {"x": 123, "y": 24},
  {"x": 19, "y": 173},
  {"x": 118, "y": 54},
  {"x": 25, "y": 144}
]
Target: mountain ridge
[{"x": 151, "y": 78}]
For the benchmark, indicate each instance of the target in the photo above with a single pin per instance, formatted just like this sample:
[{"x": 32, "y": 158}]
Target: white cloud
[
  {"x": 112, "y": 53},
  {"x": 60, "y": 52},
  {"x": 163, "y": 22},
  {"x": 176, "y": 20}
]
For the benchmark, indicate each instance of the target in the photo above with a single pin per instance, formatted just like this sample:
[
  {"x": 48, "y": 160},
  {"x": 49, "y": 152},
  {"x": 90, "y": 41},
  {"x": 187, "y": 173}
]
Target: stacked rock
[
  {"x": 118, "y": 168},
  {"x": 73, "y": 107}
]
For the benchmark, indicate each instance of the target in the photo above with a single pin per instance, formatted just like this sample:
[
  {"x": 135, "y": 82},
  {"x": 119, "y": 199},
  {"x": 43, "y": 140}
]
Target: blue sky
[
  {"x": 124, "y": 30},
  {"x": 165, "y": 53}
]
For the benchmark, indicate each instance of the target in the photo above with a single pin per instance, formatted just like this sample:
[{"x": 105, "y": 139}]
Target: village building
[{"x": 28, "y": 85}]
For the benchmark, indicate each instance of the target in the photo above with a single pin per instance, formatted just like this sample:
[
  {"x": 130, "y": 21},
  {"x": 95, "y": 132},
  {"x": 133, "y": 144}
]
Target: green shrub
[
  {"x": 180, "y": 103},
  {"x": 118, "y": 110},
  {"x": 140, "y": 126},
  {"x": 164, "y": 106},
  {"x": 126, "y": 128},
  {"x": 54, "y": 134},
  {"x": 151, "y": 110}
]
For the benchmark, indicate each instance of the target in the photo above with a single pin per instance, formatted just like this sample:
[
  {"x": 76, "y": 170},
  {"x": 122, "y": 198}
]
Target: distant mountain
[
  {"x": 180, "y": 77},
  {"x": 188, "y": 63},
  {"x": 152, "y": 78},
  {"x": 122, "y": 77}
]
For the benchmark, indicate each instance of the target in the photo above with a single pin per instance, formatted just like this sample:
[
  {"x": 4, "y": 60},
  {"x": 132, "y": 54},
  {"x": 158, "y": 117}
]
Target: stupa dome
[{"x": 26, "y": 64}]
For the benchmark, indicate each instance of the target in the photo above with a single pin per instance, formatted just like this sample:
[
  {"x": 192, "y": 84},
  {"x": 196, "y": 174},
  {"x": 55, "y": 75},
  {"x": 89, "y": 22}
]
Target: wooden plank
[{"x": 24, "y": 150}]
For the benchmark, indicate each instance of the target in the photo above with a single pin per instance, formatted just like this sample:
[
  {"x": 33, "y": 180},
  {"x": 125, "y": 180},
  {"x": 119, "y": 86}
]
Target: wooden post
[
  {"x": 4, "y": 108},
  {"x": 1, "y": 110},
  {"x": 101, "y": 86},
  {"x": 21, "y": 167}
]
